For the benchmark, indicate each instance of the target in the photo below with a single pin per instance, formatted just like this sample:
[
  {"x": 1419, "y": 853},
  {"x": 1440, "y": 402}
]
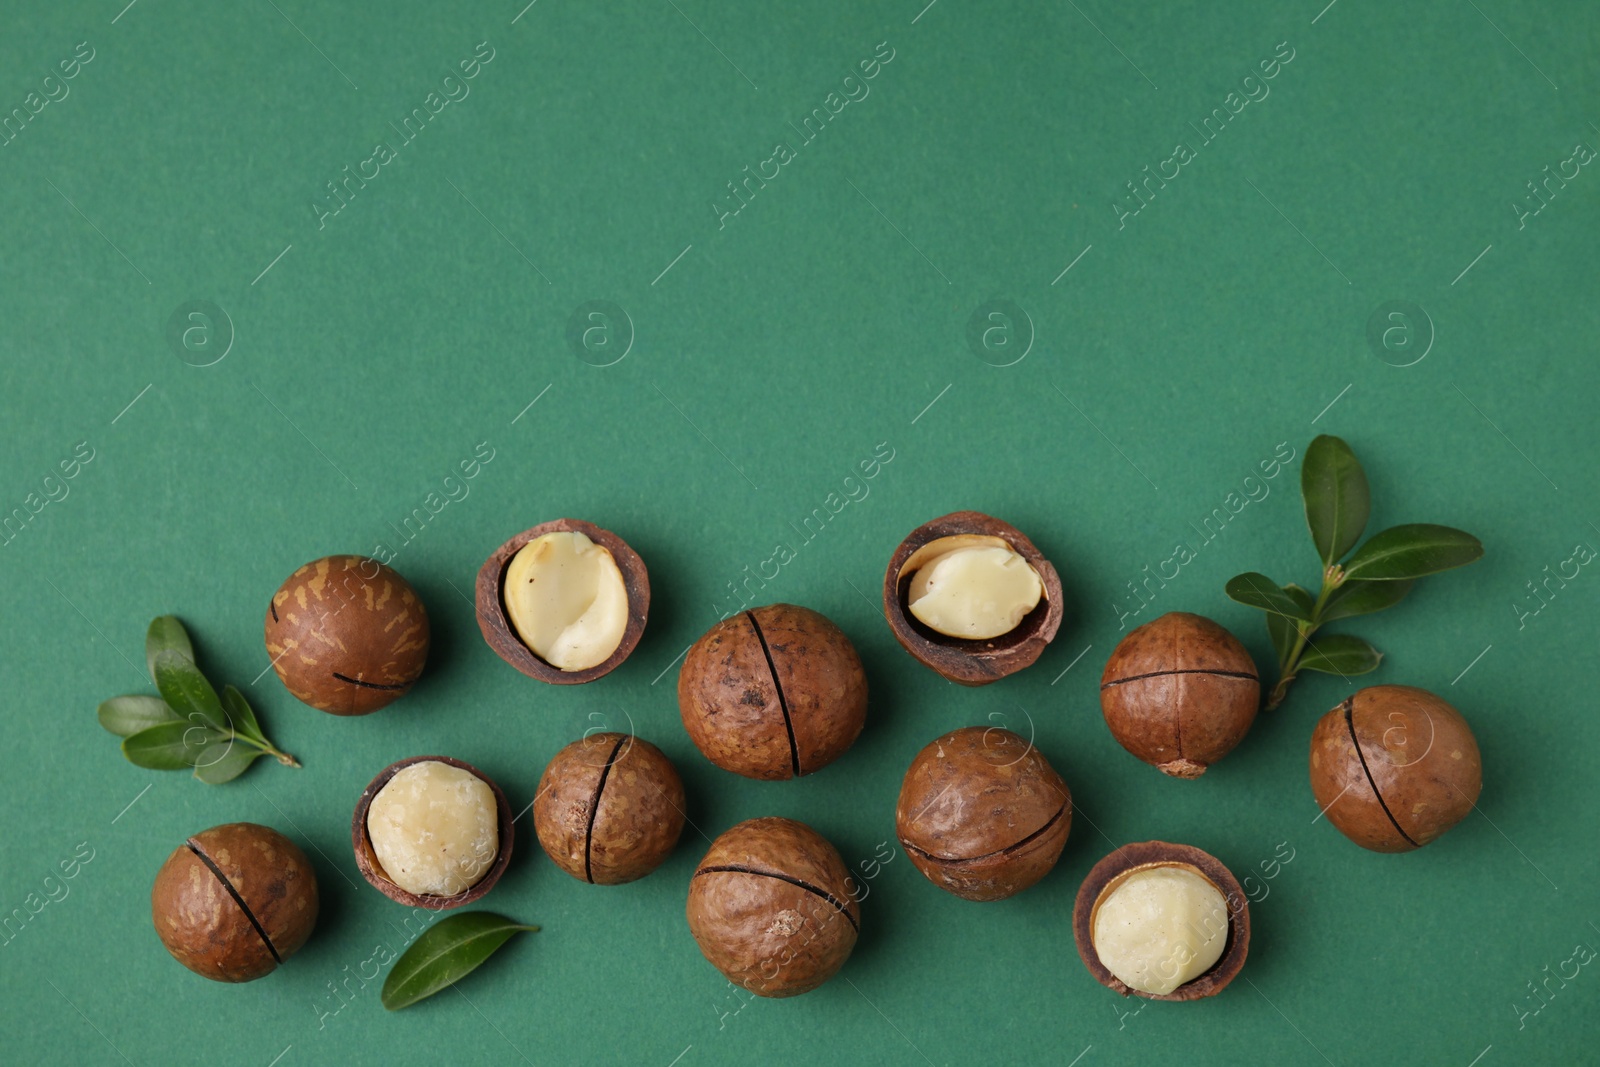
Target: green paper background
[{"x": 828, "y": 317}]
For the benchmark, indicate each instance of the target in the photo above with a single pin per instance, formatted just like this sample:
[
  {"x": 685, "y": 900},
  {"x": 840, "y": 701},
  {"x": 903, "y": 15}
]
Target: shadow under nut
[{"x": 609, "y": 809}]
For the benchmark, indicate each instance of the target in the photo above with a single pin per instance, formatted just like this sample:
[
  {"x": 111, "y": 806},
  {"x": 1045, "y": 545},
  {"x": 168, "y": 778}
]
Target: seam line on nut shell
[
  {"x": 953, "y": 861},
  {"x": 1161, "y": 674},
  {"x": 594, "y": 809},
  {"x": 237, "y": 899},
  {"x": 783, "y": 704},
  {"x": 1349, "y": 722},
  {"x": 369, "y": 685},
  {"x": 734, "y": 868}
]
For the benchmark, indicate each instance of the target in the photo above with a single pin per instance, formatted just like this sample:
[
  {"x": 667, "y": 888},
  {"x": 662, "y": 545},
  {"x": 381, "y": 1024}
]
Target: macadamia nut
[
  {"x": 1160, "y": 927},
  {"x": 434, "y": 828},
  {"x": 567, "y": 600},
  {"x": 972, "y": 586}
]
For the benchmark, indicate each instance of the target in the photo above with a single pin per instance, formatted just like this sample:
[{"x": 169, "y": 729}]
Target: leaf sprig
[
  {"x": 187, "y": 726},
  {"x": 1375, "y": 576},
  {"x": 447, "y": 952}
]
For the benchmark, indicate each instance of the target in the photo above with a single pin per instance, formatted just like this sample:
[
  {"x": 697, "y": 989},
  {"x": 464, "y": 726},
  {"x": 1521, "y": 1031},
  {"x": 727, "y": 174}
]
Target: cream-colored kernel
[
  {"x": 434, "y": 829},
  {"x": 1160, "y": 928},
  {"x": 973, "y": 587},
  {"x": 567, "y": 600}
]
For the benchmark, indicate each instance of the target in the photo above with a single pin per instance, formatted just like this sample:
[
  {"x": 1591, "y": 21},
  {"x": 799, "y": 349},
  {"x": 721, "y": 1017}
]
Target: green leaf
[
  {"x": 1411, "y": 552},
  {"x": 1337, "y": 501},
  {"x": 170, "y": 746},
  {"x": 127, "y": 715},
  {"x": 1283, "y": 630},
  {"x": 1358, "y": 597},
  {"x": 223, "y": 760},
  {"x": 242, "y": 716},
  {"x": 165, "y": 633},
  {"x": 1339, "y": 654},
  {"x": 446, "y": 952},
  {"x": 1259, "y": 591},
  {"x": 186, "y": 690}
]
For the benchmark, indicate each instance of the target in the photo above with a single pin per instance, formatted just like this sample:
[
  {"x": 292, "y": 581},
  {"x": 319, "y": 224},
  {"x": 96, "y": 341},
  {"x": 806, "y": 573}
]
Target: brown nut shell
[
  {"x": 982, "y": 813},
  {"x": 1109, "y": 872},
  {"x": 501, "y": 635},
  {"x": 960, "y": 660},
  {"x": 347, "y": 635},
  {"x": 774, "y": 692},
  {"x": 234, "y": 901},
  {"x": 1179, "y": 693},
  {"x": 610, "y": 808},
  {"x": 1394, "y": 767},
  {"x": 773, "y": 907},
  {"x": 372, "y": 870}
]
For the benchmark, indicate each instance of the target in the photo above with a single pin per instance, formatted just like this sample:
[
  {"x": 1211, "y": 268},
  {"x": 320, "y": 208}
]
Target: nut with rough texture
[
  {"x": 234, "y": 901},
  {"x": 773, "y": 907},
  {"x": 775, "y": 692},
  {"x": 1180, "y": 692},
  {"x": 609, "y": 809},
  {"x": 434, "y": 829},
  {"x": 1394, "y": 767},
  {"x": 982, "y": 814},
  {"x": 347, "y": 635}
]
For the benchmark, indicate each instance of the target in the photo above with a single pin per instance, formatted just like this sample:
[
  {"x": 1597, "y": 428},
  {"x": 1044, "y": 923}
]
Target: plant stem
[
  {"x": 266, "y": 746},
  {"x": 1332, "y": 579}
]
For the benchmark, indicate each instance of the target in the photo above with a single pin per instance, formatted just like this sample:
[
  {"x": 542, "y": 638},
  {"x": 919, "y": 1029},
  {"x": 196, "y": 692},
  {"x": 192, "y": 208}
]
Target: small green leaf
[
  {"x": 1337, "y": 501},
  {"x": 1340, "y": 654},
  {"x": 186, "y": 690},
  {"x": 242, "y": 716},
  {"x": 223, "y": 760},
  {"x": 1259, "y": 591},
  {"x": 1283, "y": 630},
  {"x": 446, "y": 952},
  {"x": 170, "y": 746},
  {"x": 127, "y": 715},
  {"x": 1359, "y": 597},
  {"x": 1411, "y": 552},
  {"x": 166, "y": 632}
]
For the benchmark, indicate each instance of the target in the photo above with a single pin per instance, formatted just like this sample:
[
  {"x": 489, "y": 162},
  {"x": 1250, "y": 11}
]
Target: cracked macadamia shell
[
  {"x": 234, "y": 901},
  {"x": 609, "y": 809},
  {"x": 347, "y": 635},
  {"x": 774, "y": 692},
  {"x": 982, "y": 813},
  {"x": 1180, "y": 692},
  {"x": 773, "y": 907},
  {"x": 1394, "y": 767}
]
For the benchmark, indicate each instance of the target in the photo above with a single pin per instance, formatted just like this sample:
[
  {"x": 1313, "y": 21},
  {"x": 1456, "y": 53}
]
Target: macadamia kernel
[
  {"x": 1159, "y": 927},
  {"x": 434, "y": 828},
  {"x": 567, "y": 600},
  {"x": 972, "y": 586}
]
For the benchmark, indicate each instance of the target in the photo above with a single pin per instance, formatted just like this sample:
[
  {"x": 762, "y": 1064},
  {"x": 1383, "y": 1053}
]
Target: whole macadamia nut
[
  {"x": 1394, "y": 767},
  {"x": 609, "y": 808},
  {"x": 775, "y": 692},
  {"x": 982, "y": 814},
  {"x": 773, "y": 907},
  {"x": 1180, "y": 692},
  {"x": 234, "y": 901},
  {"x": 347, "y": 635}
]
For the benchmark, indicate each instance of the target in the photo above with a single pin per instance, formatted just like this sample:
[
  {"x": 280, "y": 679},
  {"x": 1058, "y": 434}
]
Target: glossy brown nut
[
  {"x": 234, "y": 901},
  {"x": 367, "y": 859},
  {"x": 1180, "y": 692},
  {"x": 609, "y": 808},
  {"x": 775, "y": 692},
  {"x": 773, "y": 907},
  {"x": 347, "y": 635},
  {"x": 501, "y": 635},
  {"x": 982, "y": 813},
  {"x": 1124, "y": 861},
  {"x": 1394, "y": 767},
  {"x": 958, "y": 659}
]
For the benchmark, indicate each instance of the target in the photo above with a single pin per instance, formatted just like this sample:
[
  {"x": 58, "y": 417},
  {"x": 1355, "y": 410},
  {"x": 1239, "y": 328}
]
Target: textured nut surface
[
  {"x": 1158, "y": 927},
  {"x": 1394, "y": 767},
  {"x": 1131, "y": 859},
  {"x": 234, "y": 901},
  {"x": 982, "y": 813},
  {"x": 609, "y": 809},
  {"x": 971, "y": 586},
  {"x": 773, "y": 907},
  {"x": 974, "y": 661},
  {"x": 1179, "y": 693},
  {"x": 567, "y": 600},
  {"x": 347, "y": 635},
  {"x": 775, "y": 692},
  {"x": 434, "y": 828}
]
